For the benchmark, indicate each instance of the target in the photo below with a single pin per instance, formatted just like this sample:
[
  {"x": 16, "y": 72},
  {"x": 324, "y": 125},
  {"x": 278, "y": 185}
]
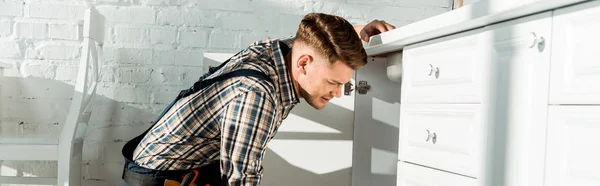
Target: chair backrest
[{"x": 87, "y": 78}]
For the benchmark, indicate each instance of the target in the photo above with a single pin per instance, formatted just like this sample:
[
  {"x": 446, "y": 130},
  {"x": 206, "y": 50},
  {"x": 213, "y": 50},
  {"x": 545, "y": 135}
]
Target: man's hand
[{"x": 373, "y": 28}]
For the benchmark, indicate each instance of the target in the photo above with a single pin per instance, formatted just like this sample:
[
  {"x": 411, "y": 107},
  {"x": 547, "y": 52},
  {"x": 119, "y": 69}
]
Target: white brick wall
[{"x": 153, "y": 49}]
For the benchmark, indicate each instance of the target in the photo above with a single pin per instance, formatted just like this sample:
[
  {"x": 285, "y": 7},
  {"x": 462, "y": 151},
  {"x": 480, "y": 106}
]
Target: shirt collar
[{"x": 286, "y": 85}]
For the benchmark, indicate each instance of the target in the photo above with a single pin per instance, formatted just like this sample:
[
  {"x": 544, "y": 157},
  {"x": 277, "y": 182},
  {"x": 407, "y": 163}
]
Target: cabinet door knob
[
  {"x": 434, "y": 138},
  {"x": 538, "y": 41},
  {"x": 430, "y": 69},
  {"x": 437, "y": 72},
  {"x": 428, "y": 136}
]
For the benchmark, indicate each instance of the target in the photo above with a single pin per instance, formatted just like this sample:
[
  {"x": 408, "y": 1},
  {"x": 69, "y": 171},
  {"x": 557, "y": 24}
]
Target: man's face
[{"x": 323, "y": 80}]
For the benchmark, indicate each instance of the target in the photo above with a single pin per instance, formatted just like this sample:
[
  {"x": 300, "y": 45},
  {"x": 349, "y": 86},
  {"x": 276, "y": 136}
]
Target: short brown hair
[{"x": 333, "y": 37}]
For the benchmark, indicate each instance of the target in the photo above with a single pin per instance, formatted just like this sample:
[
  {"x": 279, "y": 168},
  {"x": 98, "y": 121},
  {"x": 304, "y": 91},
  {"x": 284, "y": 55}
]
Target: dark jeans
[{"x": 140, "y": 176}]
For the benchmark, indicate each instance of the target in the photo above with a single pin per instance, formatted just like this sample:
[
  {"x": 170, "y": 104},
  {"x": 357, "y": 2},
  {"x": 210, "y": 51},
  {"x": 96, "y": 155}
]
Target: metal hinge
[{"x": 363, "y": 87}]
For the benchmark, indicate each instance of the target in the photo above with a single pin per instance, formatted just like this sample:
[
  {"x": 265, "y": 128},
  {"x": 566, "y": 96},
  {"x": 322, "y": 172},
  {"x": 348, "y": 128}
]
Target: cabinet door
[
  {"x": 517, "y": 100},
  {"x": 446, "y": 137},
  {"x": 575, "y": 71},
  {"x": 573, "y": 148},
  {"x": 415, "y": 175},
  {"x": 446, "y": 70}
]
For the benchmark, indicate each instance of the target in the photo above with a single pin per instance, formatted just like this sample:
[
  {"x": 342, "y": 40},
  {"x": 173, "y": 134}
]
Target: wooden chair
[{"x": 66, "y": 148}]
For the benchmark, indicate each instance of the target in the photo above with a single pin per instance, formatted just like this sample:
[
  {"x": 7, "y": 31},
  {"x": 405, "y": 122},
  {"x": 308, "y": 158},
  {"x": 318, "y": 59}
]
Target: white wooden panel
[
  {"x": 446, "y": 137},
  {"x": 414, "y": 175},
  {"x": 27, "y": 180},
  {"x": 575, "y": 57},
  {"x": 28, "y": 152},
  {"x": 572, "y": 156}
]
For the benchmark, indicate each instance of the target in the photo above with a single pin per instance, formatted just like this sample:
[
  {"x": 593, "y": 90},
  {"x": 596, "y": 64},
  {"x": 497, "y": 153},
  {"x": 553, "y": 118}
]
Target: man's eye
[{"x": 331, "y": 82}]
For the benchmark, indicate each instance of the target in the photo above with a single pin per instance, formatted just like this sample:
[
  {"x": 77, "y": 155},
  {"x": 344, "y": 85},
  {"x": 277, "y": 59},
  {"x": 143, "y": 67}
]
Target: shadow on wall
[{"x": 311, "y": 149}]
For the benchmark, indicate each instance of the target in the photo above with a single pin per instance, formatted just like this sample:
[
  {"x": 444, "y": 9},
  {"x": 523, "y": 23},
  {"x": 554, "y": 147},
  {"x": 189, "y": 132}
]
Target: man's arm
[
  {"x": 248, "y": 121},
  {"x": 373, "y": 28}
]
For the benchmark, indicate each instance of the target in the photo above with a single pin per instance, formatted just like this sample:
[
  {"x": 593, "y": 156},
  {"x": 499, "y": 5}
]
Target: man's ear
[{"x": 303, "y": 62}]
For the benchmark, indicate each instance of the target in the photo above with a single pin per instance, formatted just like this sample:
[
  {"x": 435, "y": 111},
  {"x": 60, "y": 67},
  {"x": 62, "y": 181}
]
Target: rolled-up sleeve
[{"x": 248, "y": 123}]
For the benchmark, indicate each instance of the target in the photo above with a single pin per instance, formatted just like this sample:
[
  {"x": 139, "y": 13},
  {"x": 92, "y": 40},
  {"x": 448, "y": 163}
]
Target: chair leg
[{"x": 69, "y": 165}]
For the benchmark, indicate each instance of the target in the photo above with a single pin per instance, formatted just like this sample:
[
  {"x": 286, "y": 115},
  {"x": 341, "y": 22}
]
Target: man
[{"x": 221, "y": 126}]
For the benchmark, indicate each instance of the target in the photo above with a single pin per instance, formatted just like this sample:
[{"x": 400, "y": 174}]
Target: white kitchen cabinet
[
  {"x": 575, "y": 57},
  {"x": 572, "y": 157},
  {"x": 513, "y": 102},
  {"x": 488, "y": 110}
]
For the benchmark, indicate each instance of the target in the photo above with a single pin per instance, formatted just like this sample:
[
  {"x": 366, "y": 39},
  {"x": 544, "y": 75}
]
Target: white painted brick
[
  {"x": 166, "y": 2},
  {"x": 127, "y": 55},
  {"x": 32, "y": 30},
  {"x": 193, "y": 37},
  {"x": 108, "y": 172},
  {"x": 138, "y": 15},
  {"x": 248, "y": 39},
  {"x": 288, "y": 25},
  {"x": 135, "y": 75},
  {"x": 230, "y": 5},
  {"x": 55, "y": 11},
  {"x": 5, "y": 27},
  {"x": 241, "y": 22},
  {"x": 42, "y": 88},
  {"x": 349, "y": 11},
  {"x": 131, "y": 35},
  {"x": 10, "y": 49},
  {"x": 54, "y": 50},
  {"x": 168, "y": 76},
  {"x": 11, "y": 8},
  {"x": 433, "y": 3},
  {"x": 163, "y": 35},
  {"x": 107, "y": 74},
  {"x": 328, "y": 7},
  {"x": 396, "y": 13},
  {"x": 186, "y": 16},
  {"x": 66, "y": 72},
  {"x": 223, "y": 39},
  {"x": 132, "y": 95},
  {"x": 39, "y": 69},
  {"x": 40, "y": 168},
  {"x": 189, "y": 57},
  {"x": 91, "y": 151},
  {"x": 163, "y": 57},
  {"x": 164, "y": 97},
  {"x": 432, "y": 11},
  {"x": 64, "y": 31}
]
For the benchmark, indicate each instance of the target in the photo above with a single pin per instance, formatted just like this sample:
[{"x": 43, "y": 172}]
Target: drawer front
[
  {"x": 449, "y": 70},
  {"x": 575, "y": 69},
  {"x": 415, "y": 175},
  {"x": 572, "y": 146},
  {"x": 446, "y": 137}
]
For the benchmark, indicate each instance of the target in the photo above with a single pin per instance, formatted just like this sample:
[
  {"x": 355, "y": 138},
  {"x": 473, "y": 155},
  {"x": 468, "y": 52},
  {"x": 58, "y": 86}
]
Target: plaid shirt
[{"x": 231, "y": 120}]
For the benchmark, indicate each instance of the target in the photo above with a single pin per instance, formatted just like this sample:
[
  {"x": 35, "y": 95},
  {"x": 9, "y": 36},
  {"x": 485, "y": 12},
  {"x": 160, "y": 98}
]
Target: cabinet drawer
[
  {"x": 448, "y": 70},
  {"x": 446, "y": 137},
  {"x": 572, "y": 146},
  {"x": 575, "y": 68},
  {"x": 415, "y": 175}
]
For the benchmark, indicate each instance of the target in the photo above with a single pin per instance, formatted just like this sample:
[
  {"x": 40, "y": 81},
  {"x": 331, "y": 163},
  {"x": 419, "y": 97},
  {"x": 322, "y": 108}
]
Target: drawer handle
[
  {"x": 431, "y": 136},
  {"x": 539, "y": 41},
  {"x": 430, "y": 69},
  {"x": 437, "y": 72},
  {"x": 428, "y": 136}
]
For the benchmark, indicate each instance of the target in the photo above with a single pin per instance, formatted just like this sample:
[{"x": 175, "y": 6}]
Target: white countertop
[{"x": 476, "y": 15}]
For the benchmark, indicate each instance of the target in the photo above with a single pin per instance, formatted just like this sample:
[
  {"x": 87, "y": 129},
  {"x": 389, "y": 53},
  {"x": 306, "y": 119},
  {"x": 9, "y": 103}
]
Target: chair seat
[
  {"x": 28, "y": 148},
  {"x": 29, "y": 140}
]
